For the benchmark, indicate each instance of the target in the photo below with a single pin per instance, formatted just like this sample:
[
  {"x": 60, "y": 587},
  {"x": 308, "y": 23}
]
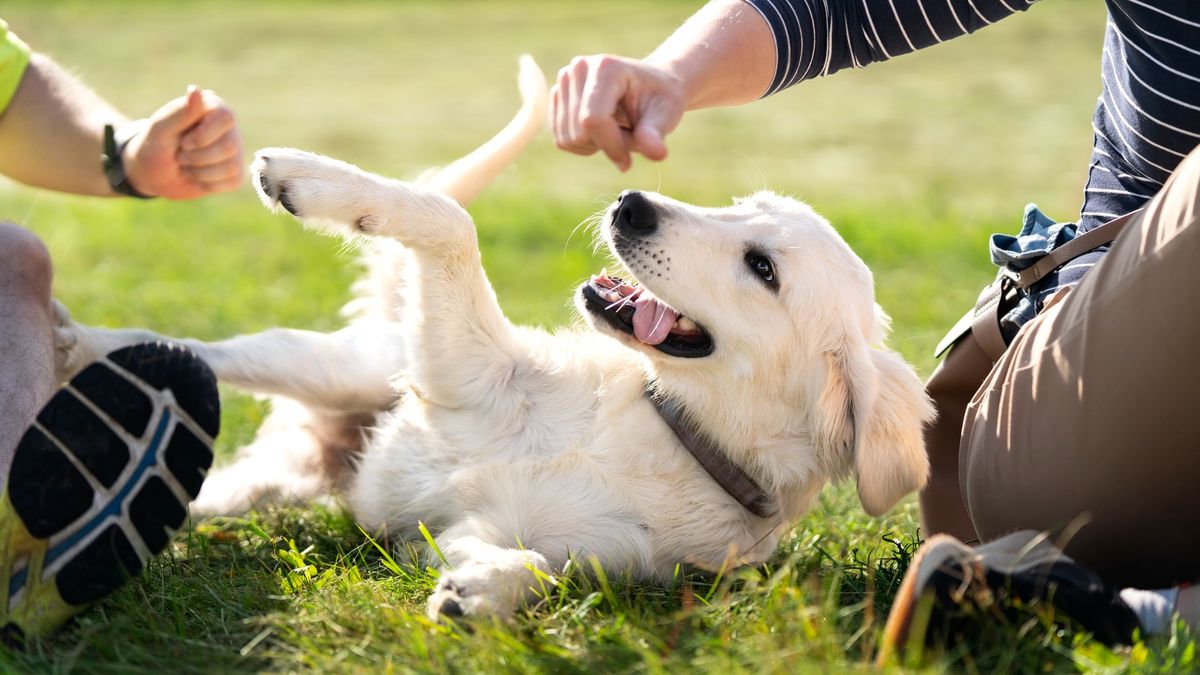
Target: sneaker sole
[
  {"x": 909, "y": 617},
  {"x": 948, "y": 572},
  {"x": 101, "y": 481}
]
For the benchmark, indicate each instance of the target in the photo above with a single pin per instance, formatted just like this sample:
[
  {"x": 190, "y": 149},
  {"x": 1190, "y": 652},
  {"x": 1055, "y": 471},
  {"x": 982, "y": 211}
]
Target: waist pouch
[{"x": 1004, "y": 305}]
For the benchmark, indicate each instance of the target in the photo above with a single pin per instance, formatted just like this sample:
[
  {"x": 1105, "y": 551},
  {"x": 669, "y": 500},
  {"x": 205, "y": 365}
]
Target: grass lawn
[{"x": 914, "y": 161}]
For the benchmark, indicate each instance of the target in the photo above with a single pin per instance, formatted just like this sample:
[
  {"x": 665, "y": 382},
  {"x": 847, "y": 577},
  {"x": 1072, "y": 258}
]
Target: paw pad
[
  {"x": 366, "y": 224},
  {"x": 285, "y": 202}
]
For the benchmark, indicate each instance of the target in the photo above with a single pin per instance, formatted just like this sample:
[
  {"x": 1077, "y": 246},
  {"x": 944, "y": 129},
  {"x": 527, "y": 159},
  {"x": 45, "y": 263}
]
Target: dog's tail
[
  {"x": 465, "y": 178},
  {"x": 378, "y": 293}
]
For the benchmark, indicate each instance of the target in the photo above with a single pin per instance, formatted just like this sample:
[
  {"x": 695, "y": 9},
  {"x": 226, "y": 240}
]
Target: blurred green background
[{"x": 915, "y": 161}]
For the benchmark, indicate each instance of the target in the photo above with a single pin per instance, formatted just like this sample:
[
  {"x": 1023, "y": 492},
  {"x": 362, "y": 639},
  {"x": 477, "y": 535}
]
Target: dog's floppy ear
[{"x": 871, "y": 410}]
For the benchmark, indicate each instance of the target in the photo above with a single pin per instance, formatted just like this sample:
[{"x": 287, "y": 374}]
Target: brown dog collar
[{"x": 716, "y": 463}]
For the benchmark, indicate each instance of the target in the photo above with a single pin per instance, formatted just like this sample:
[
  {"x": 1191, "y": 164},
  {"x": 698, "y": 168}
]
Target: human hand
[
  {"x": 616, "y": 105},
  {"x": 190, "y": 148}
]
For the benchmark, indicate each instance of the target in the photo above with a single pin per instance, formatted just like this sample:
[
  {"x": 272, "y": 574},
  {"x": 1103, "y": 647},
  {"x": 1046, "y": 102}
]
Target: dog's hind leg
[
  {"x": 347, "y": 371},
  {"x": 298, "y": 454}
]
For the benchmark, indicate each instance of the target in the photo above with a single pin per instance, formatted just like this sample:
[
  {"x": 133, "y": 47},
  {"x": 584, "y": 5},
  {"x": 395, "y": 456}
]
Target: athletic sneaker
[
  {"x": 949, "y": 583},
  {"x": 101, "y": 481}
]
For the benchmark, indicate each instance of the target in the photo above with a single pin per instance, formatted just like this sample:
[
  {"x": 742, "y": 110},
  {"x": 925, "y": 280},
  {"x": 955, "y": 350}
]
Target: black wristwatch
[{"x": 115, "y": 141}]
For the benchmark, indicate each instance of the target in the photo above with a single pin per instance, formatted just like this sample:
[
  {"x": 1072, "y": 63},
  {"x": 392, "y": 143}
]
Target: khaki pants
[{"x": 1089, "y": 425}]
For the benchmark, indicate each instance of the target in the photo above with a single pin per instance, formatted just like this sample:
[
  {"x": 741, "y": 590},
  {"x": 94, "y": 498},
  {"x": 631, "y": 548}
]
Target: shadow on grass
[{"x": 200, "y": 606}]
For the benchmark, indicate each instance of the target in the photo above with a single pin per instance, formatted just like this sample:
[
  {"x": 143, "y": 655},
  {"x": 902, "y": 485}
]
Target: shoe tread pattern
[{"x": 49, "y": 494}]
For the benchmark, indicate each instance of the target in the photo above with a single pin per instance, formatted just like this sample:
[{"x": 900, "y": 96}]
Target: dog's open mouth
[{"x": 633, "y": 310}]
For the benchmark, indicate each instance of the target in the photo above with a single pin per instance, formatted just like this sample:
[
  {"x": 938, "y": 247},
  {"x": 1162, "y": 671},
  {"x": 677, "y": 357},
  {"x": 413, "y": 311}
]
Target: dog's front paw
[
  {"x": 473, "y": 591},
  {"x": 483, "y": 589},
  {"x": 453, "y": 600},
  {"x": 316, "y": 189}
]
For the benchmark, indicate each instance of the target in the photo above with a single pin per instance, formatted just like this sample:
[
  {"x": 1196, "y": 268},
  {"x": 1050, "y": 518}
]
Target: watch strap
[{"x": 115, "y": 141}]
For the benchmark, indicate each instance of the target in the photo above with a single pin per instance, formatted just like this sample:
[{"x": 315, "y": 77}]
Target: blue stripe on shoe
[{"x": 149, "y": 459}]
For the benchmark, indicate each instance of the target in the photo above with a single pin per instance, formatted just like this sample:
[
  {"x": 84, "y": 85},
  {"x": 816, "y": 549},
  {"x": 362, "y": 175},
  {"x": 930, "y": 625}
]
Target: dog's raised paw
[
  {"x": 269, "y": 186},
  {"x": 273, "y": 192},
  {"x": 285, "y": 202},
  {"x": 321, "y": 191}
]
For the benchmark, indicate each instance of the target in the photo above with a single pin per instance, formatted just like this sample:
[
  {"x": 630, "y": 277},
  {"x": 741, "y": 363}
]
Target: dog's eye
[{"x": 762, "y": 266}]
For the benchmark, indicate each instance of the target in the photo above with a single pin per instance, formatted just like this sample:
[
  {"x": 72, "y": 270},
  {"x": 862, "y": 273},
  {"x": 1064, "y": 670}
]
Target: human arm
[
  {"x": 735, "y": 51},
  {"x": 51, "y": 136}
]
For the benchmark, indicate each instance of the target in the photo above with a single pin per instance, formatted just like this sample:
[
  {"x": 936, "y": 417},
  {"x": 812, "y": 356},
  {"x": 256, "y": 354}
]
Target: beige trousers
[{"x": 1089, "y": 425}]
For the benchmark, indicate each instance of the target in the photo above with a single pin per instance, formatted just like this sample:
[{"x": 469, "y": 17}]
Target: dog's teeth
[
  {"x": 602, "y": 283},
  {"x": 686, "y": 324}
]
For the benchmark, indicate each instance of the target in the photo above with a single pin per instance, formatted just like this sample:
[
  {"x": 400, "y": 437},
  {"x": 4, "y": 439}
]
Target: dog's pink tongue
[{"x": 652, "y": 320}]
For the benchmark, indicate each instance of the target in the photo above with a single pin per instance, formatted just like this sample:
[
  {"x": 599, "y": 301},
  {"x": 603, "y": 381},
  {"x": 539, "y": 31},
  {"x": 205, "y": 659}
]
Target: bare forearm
[
  {"x": 723, "y": 55},
  {"x": 51, "y": 135}
]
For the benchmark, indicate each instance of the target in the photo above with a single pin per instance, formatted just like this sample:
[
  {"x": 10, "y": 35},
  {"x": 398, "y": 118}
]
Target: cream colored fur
[{"x": 518, "y": 447}]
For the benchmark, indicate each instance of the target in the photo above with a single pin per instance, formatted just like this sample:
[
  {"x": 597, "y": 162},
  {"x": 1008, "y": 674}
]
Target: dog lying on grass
[{"x": 749, "y": 331}]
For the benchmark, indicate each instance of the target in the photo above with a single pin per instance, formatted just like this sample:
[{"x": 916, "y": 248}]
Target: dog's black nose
[{"x": 635, "y": 215}]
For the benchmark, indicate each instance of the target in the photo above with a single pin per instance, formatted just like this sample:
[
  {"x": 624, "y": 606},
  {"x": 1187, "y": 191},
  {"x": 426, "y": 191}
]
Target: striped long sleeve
[
  {"x": 1147, "y": 118},
  {"x": 818, "y": 37}
]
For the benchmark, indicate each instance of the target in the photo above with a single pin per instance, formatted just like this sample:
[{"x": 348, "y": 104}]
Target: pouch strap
[
  {"x": 985, "y": 324},
  {"x": 1097, "y": 236}
]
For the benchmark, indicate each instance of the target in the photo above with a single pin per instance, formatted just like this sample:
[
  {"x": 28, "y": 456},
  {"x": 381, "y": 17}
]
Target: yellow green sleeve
[{"x": 14, "y": 57}]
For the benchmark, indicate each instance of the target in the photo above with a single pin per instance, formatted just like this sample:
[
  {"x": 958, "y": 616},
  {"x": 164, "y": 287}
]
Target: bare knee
[{"x": 25, "y": 268}]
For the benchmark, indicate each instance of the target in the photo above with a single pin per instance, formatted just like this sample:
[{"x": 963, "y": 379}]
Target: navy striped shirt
[{"x": 1147, "y": 118}]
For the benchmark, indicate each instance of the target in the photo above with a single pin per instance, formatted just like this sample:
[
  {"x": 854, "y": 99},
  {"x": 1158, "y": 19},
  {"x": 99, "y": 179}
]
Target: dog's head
[{"x": 759, "y": 313}]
